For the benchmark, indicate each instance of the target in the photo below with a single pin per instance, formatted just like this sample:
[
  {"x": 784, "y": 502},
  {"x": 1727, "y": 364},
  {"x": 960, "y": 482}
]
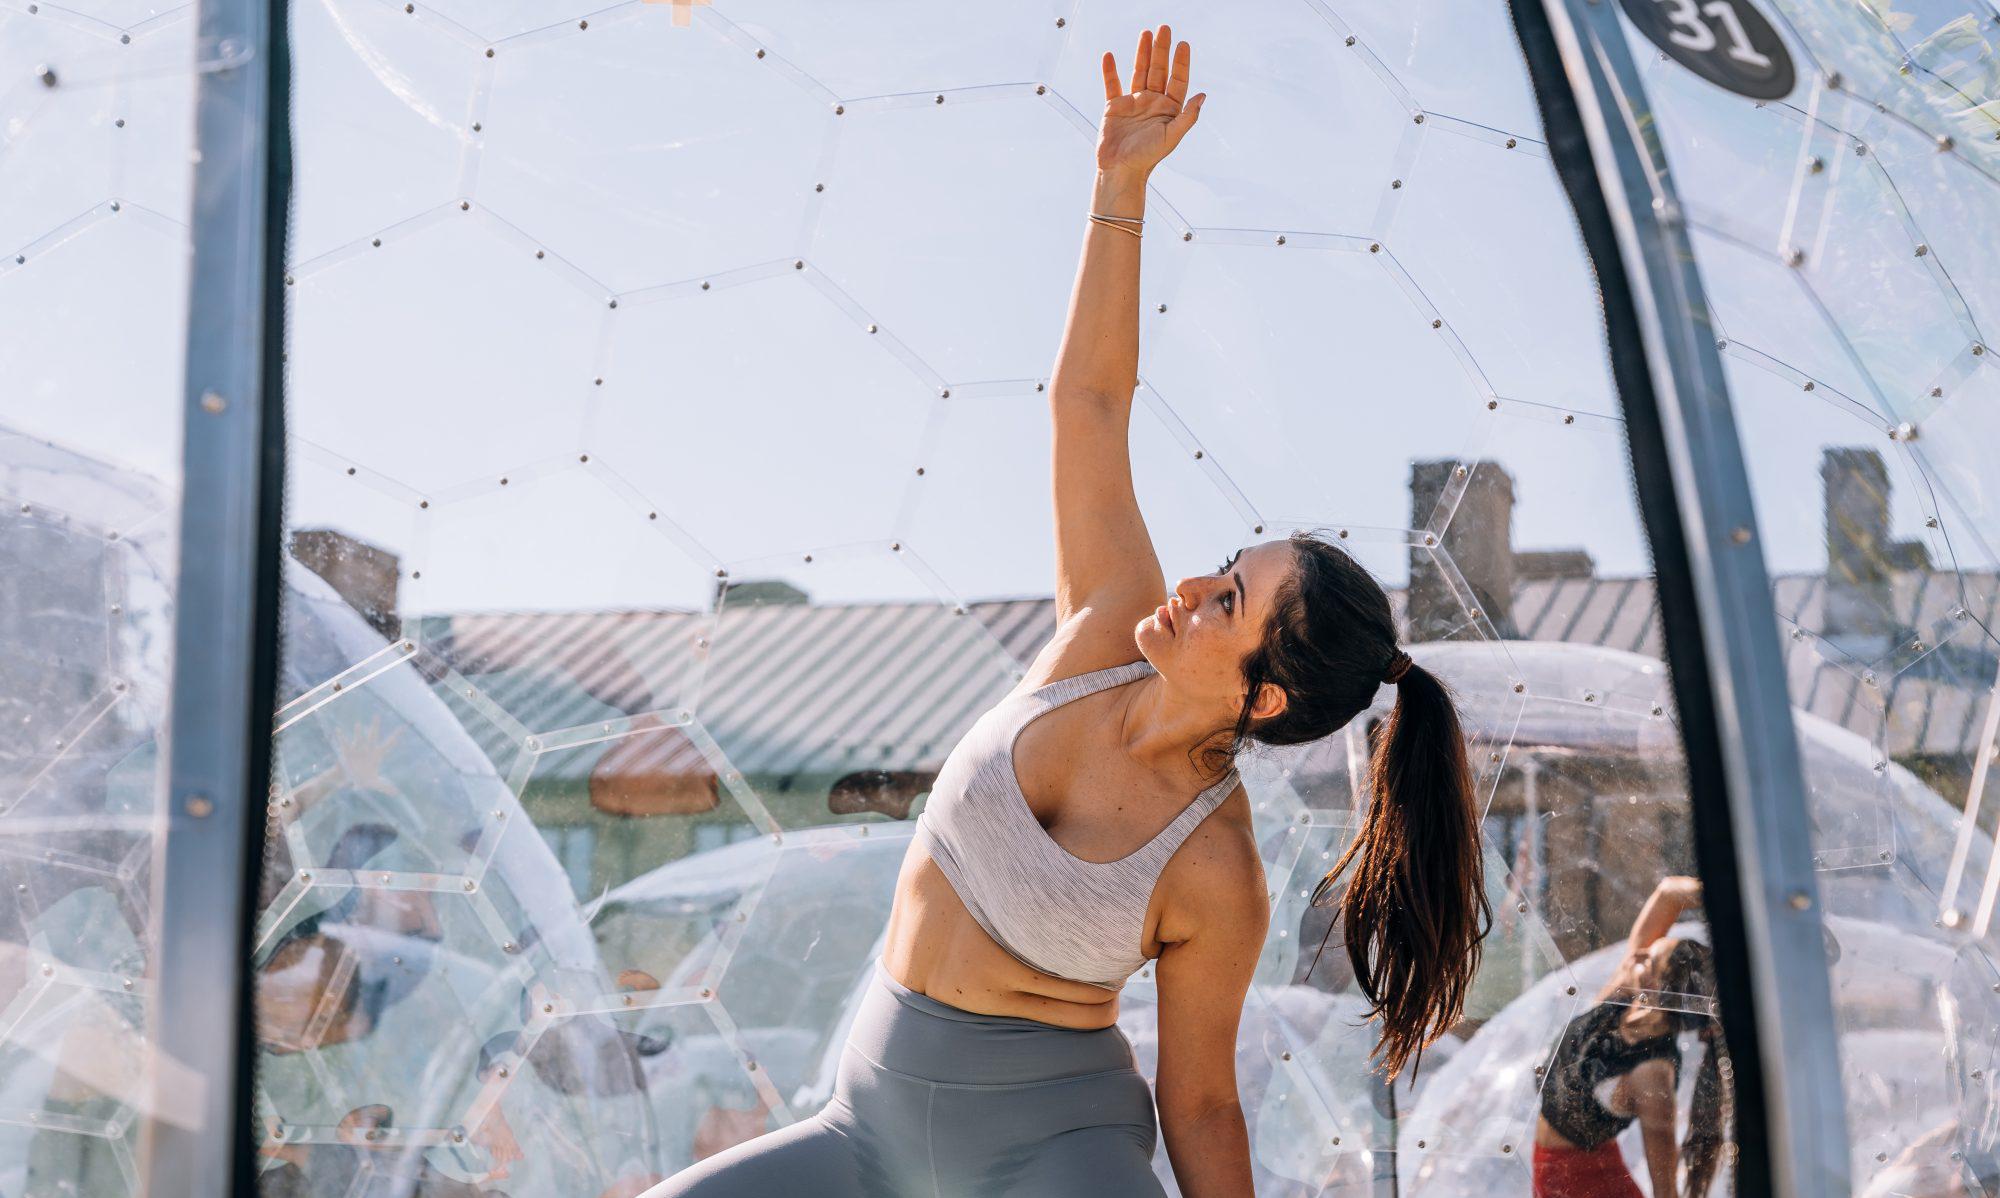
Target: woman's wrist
[{"x": 1119, "y": 193}]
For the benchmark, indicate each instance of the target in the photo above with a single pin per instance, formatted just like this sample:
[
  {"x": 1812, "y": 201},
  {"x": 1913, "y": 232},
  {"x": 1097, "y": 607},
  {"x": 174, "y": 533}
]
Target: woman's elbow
[{"x": 1189, "y": 1105}]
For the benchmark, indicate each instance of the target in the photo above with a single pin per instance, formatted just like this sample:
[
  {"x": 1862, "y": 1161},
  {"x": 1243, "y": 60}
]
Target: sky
[{"x": 505, "y": 366}]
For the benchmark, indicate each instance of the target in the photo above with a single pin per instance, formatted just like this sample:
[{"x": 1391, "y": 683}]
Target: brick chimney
[
  {"x": 1480, "y": 539},
  {"x": 360, "y": 573},
  {"x": 1858, "y": 550}
]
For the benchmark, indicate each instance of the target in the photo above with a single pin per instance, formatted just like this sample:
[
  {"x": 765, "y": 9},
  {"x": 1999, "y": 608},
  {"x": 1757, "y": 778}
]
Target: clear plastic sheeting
[
  {"x": 1844, "y": 239},
  {"x": 669, "y": 492},
  {"x": 96, "y": 129}
]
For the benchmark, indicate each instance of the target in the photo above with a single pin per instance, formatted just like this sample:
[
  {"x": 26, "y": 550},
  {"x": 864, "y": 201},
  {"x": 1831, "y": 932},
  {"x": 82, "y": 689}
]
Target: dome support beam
[{"x": 196, "y": 1139}]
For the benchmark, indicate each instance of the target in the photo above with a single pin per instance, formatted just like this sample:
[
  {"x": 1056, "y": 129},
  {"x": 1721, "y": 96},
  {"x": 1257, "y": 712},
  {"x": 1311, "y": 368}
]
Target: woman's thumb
[{"x": 1190, "y": 113}]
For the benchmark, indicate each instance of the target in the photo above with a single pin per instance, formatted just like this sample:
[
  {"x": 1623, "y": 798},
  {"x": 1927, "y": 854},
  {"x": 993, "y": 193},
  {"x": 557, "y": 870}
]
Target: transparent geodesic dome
[
  {"x": 667, "y": 491},
  {"x": 85, "y": 646},
  {"x": 1841, "y": 236},
  {"x": 96, "y": 110},
  {"x": 673, "y": 378}
]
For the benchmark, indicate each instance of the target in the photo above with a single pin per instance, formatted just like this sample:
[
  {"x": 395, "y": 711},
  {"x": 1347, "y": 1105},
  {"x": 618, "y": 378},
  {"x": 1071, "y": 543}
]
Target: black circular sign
[{"x": 1727, "y": 42}]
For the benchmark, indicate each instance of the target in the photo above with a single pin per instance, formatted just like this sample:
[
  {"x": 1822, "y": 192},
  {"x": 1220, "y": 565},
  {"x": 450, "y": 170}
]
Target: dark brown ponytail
[
  {"x": 1415, "y": 910},
  {"x": 1690, "y": 969}
]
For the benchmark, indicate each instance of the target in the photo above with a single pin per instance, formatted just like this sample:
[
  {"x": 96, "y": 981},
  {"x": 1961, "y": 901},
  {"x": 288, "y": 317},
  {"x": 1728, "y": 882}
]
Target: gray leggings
[{"x": 937, "y": 1102}]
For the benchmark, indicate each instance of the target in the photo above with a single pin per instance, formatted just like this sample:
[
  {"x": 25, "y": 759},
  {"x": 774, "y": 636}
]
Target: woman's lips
[{"x": 1165, "y": 616}]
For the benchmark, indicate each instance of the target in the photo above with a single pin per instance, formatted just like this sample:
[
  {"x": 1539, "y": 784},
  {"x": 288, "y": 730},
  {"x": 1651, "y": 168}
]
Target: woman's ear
[{"x": 1270, "y": 702}]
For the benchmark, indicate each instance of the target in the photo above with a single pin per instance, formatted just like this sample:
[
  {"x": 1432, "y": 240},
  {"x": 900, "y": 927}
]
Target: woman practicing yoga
[
  {"x": 1621, "y": 1060},
  {"x": 1092, "y": 821}
]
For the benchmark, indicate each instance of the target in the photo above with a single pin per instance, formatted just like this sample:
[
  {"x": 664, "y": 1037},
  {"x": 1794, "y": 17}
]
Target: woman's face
[{"x": 1211, "y": 622}]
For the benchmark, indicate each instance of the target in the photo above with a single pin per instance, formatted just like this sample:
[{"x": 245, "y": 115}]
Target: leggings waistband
[{"x": 918, "y": 1036}]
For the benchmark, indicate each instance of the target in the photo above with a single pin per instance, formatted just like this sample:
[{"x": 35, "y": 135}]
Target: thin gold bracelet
[
  {"x": 1129, "y": 220},
  {"x": 1111, "y": 224}
]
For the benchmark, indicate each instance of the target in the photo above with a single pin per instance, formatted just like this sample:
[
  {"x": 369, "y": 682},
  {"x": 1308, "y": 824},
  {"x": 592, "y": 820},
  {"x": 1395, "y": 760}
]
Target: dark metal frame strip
[{"x": 226, "y": 614}]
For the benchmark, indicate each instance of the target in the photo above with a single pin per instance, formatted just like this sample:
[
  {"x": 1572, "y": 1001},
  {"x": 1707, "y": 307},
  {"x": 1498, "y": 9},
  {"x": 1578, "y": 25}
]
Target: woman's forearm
[
  {"x": 1210, "y": 1152},
  {"x": 1099, "y": 355},
  {"x": 1668, "y": 902}
]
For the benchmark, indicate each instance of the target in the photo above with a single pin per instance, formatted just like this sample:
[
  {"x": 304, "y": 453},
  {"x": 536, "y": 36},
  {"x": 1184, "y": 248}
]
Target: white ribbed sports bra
[{"x": 1075, "y": 919}]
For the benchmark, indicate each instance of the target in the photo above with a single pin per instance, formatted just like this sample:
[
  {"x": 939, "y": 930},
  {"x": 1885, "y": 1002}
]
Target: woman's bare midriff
[{"x": 936, "y": 948}]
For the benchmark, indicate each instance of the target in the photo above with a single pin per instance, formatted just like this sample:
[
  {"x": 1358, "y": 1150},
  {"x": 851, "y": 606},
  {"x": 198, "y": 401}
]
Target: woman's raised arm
[{"x": 1104, "y": 556}]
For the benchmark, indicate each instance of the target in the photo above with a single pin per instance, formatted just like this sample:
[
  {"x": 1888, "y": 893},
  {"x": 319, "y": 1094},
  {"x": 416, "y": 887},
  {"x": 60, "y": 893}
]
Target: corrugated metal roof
[{"x": 797, "y": 688}]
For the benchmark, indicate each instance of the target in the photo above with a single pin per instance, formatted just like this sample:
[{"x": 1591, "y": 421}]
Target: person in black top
[{"x": 1620, "y": 1060}]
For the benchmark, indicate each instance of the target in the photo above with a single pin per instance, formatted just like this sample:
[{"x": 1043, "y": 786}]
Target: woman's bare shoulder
[{"x": 1216, "y": 879}]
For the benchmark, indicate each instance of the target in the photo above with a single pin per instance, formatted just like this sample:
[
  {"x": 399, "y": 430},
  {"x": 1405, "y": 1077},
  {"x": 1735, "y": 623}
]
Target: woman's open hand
[{"x": 1142, "y": 125}]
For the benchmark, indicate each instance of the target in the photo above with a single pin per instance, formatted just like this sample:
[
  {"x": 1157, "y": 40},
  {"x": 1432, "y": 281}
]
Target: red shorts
[{"x": 1598, "y": 1172}]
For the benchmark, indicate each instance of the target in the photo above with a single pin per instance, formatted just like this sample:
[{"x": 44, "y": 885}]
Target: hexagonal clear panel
[
  {"x": 1840, "y": 235},
  {"x": 96, "y": 128},
  {"x": 670, "y": 494}
]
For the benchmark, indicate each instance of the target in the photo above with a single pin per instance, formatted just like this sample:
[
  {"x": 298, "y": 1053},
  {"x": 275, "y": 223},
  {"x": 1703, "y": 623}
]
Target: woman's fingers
[
  {"x": 1184, "y": 119},
  {"x": 1157, "y": 66},
  {"x": 1177, "y": 83},
  {"x": 1159, "y": 61},
  {"x": 1142, "y": 60}
]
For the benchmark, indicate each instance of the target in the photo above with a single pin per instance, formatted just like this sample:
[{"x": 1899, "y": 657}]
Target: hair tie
[{"x": 1399, "y": 665}]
